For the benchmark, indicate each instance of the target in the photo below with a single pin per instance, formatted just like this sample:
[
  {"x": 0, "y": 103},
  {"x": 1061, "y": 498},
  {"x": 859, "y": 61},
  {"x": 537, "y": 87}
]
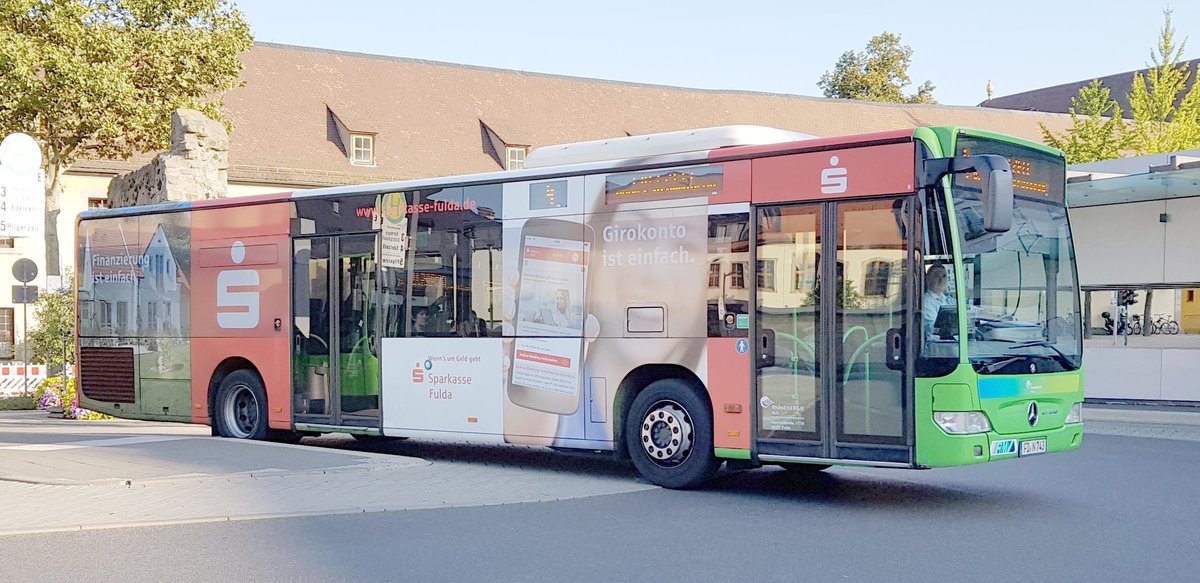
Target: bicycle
[
  {"x": 1131, "y": 327},
  {"x": 1163, "y": 324}
]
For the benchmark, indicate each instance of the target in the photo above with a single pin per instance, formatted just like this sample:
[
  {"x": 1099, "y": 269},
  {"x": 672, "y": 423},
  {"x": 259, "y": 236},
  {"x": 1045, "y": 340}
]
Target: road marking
[{"x": 90, "y": 443}]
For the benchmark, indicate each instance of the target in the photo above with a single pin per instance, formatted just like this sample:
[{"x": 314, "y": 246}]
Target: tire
[
  {"x": 1172, "y": 327},
  {"x": 240, "y": 409},
  {"x": 804, "y": 469},
  {"x": 668, "y": 433}
]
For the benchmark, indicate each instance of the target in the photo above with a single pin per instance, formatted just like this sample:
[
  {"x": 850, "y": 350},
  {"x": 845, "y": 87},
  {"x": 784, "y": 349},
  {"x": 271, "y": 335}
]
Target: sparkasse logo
[
  {"x": 833, "y": 180},
  {"x": 238, "y": 289}
]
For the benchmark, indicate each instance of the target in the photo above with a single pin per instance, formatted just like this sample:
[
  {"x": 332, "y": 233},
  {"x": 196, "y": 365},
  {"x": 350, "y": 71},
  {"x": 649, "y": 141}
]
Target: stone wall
[{"x": 195, "y": 168}]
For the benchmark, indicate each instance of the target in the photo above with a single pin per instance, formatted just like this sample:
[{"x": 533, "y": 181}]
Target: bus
[{"x": 737, "y": 295}]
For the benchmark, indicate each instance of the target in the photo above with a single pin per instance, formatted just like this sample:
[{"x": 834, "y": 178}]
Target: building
[
  {"x": 1135, "y": 222},
  {"x": 1057, "y": 99},
  {"x": 309, "y": 117}
]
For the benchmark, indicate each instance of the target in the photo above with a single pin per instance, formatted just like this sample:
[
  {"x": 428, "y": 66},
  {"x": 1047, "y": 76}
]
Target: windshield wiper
[
  {"x": 992, "y": 367},
  {"x": 1042, "y": 342},
  {"x": 1064, "y": 360}
]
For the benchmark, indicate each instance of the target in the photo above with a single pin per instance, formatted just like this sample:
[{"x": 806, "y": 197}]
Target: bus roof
[
  {"x": 624, "y": 148},
  {"x": 715, "y": 143}
]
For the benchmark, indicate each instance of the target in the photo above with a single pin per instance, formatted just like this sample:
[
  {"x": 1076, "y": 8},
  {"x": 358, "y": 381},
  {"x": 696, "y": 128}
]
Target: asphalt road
[{"x": 1119, "y": 509}]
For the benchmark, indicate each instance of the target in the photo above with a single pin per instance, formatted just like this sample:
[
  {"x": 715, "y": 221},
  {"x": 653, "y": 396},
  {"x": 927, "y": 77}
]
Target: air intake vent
[{"x": 106, "y": 374}]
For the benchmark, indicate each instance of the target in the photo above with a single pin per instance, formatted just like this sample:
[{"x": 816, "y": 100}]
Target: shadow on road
[
  {"x": 846, "y": 487},
  {"x": 871, "y": 489}
]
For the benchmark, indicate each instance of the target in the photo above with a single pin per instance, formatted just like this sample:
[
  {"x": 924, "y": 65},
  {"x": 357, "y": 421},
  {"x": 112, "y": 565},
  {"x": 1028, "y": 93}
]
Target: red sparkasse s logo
[{"x": 418, "y": 374}]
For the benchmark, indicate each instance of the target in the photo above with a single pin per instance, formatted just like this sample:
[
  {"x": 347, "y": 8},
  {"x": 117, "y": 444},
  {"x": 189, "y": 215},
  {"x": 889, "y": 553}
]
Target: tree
[
  {"x": 879, "y": 73},
  {"x": 55, "y": 315},
  {"x": 100, "y": 78},
  {"x": 1097, "y": 127},
  {"x": 1159, "y": 125}
]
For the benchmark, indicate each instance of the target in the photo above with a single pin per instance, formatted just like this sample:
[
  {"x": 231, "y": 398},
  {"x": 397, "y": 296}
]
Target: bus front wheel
[
  {"x": 669, "y": 435},
  {"x": 241, "y": 406}
]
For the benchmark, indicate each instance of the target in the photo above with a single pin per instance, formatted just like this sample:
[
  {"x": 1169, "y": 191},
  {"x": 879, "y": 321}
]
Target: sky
[{"x": 748, "y": 45}]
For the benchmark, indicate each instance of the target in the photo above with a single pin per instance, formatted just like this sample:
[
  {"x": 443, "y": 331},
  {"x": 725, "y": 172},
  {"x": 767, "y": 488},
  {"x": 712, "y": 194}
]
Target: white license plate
[{"x": 1033, "y": 447}]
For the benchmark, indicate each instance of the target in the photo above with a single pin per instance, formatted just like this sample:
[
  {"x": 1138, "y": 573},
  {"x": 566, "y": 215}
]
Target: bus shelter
[{"x": 1136, "y": 223}]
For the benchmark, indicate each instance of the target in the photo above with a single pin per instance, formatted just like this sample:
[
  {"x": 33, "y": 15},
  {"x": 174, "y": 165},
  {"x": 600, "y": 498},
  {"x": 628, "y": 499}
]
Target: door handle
[
  {"x": 895, "y": 349},
  {"x": 766, "y": 348}
]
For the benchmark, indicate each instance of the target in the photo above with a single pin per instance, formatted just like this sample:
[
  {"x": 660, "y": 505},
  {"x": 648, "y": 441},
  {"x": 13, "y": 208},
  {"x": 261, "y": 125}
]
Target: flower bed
[{"x": 53, "y": 395}]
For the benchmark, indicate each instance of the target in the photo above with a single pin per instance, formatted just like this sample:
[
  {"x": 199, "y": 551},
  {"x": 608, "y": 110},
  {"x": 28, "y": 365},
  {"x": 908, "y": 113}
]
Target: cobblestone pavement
[{"x": 60, "y": 475}]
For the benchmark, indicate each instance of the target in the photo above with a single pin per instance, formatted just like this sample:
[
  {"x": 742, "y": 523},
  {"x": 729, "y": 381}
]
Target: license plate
[{"x": 1033, "y": 447}]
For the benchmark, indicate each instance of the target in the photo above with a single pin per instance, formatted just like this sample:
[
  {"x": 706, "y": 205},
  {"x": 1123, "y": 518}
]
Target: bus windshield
[{"x": 1020, "y": 286}]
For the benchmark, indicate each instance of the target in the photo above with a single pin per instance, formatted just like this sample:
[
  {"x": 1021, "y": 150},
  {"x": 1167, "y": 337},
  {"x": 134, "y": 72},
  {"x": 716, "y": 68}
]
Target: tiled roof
[
  {"x": 1057, "y": 99},
  {"x": 426, "y": 115}
]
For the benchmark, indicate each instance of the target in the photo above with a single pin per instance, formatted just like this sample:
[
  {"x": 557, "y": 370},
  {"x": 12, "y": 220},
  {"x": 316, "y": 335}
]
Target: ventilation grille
[{"x": 106, "y": 374}]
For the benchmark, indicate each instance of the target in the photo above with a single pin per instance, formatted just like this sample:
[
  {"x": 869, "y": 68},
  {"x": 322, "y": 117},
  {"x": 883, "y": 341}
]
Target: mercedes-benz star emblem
[{"x": 1032, "y": 414}]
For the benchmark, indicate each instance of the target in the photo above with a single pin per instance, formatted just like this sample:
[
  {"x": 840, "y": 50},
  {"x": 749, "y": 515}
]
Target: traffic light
[{"x": 1128, "y": 297}]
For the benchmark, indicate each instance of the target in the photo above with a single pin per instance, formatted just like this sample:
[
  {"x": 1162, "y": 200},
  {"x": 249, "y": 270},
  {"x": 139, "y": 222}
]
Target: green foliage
[
  {"x": 55, "y": 313},
  {"x": 1097, "y": 130},
  {"x": 848, "y": 296},
  {"x": 100, "y": 78},
  {"x": 879, "y": 73},
  {"x": 18, "y": 404},
  {"x": 1159, "y": 125}
]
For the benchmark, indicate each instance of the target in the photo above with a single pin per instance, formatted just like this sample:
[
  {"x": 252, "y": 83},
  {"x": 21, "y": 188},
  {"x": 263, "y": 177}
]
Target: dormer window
[
  {"x": 355, "y": 140},
  {"x": 514, "y": 157},
  {"x": 362, "y": 150}
]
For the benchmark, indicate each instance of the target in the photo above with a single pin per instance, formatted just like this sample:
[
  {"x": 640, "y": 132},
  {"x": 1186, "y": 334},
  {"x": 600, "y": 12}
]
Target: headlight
[
  {"x": 1076, "y": 414},
  {"x": 960, "y": 423}
]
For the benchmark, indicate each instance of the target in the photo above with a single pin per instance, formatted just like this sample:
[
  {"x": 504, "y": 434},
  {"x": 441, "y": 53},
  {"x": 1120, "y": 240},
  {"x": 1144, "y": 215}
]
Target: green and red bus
[{"x": 739, "y": 294}]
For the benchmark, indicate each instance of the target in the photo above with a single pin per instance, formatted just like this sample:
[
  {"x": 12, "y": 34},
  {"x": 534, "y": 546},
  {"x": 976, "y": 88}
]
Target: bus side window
[
  {"x": 728, "y": 263},
  {"x": 456, "y": 266}
]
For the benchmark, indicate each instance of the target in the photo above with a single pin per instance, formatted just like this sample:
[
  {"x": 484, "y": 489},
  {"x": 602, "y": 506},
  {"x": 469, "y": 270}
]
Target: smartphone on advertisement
[{"x": 546, "y": 365}]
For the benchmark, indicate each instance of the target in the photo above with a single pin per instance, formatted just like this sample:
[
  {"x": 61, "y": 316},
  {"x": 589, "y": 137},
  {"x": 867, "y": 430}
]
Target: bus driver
[{"x": 936, "y": 283}]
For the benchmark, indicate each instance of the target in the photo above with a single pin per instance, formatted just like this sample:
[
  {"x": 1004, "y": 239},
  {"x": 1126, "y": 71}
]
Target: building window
[
  {"x": 106, "y": 319},
  {"x": 362, "y": 150},
  {"x": 804, "y": 276},
  {"x": 766, "y": 274},
  {"x": 7, "y": 333},
  {"x": 122, "y": 316},
  {"x": 7, "y": 242},
  {"x": 98, "y": 203},
  {"x": 515, "y": 157},
  {"x": 737, "y": 279},
  {"x": 714, "y": 274},
  {"x": 876, "y": 275}
]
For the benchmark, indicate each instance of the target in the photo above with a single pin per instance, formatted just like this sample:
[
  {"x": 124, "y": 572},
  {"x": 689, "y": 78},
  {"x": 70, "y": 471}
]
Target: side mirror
[{"x": 995, "y": 185}]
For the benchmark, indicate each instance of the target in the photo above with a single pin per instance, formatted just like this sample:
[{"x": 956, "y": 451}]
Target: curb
[{"x": 1187, "y": 417}]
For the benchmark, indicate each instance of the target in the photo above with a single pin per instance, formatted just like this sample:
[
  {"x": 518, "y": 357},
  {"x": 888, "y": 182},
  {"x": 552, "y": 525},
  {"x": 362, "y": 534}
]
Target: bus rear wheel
[
  {"x": 669, "y": 435},
  {"x": 240, "y": 409}
]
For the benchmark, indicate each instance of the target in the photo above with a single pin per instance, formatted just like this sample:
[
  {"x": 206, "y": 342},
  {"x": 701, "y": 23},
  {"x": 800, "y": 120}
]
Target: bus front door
[
  {"x": 335, "y": 345},
  {"x": 832, "y": 377}
]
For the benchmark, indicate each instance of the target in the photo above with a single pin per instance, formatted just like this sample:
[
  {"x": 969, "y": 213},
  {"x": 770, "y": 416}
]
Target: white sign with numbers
[{"x": 22, "y": 188}]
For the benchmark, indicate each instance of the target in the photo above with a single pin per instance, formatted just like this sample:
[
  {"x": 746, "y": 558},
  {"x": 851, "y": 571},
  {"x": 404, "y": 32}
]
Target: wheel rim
[
  {"x": 241, "y": 411},
  {"x": 666, "y": 434}
]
